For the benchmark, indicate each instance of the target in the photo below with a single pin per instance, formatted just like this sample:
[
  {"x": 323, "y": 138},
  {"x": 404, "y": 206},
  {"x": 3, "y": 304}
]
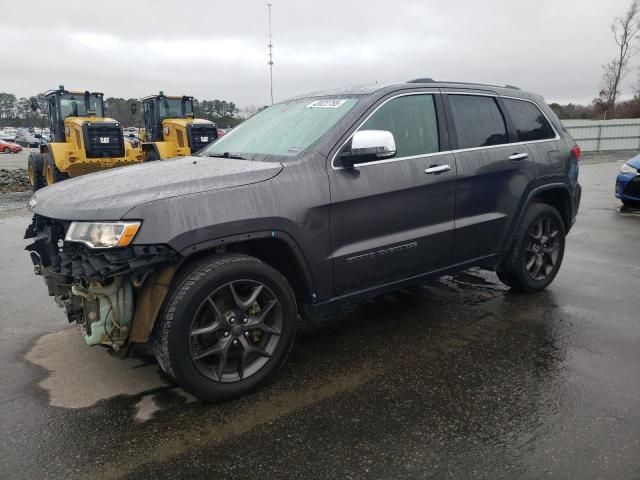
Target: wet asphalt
[{"x": 458, "y": 378}]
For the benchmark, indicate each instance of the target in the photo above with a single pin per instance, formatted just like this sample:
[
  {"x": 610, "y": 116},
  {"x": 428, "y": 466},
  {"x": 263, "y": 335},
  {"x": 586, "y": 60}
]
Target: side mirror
[
  {"x": 134, "y": 108},
  {"x": 368, "y": 146}
]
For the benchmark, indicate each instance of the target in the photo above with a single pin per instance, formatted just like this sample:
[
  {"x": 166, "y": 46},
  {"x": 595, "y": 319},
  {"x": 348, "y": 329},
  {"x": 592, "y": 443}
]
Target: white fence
[{"x": 605, "y": 135}]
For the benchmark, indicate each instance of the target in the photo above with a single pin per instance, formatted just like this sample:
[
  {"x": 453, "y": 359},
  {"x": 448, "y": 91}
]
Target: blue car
[{"x": 628, "y": 183}]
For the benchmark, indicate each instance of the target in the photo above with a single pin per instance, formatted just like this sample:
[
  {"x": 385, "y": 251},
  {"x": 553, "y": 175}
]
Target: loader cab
[
  {"x": 63, "y": 104},
  {"x": 157, "y": 108}
]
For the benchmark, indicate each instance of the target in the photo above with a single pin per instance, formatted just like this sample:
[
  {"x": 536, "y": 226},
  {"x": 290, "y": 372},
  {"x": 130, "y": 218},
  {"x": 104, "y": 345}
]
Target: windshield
[
  {"x": 73, "y": 105},
  {"x": 172, "y": 108},
  {"x": 283, "y": 129}
]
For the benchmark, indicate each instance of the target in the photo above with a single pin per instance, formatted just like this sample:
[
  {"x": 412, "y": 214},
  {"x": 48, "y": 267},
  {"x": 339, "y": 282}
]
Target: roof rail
[
  {"x": 431, "y": 80},
  {"x": 421, "y": 80}
]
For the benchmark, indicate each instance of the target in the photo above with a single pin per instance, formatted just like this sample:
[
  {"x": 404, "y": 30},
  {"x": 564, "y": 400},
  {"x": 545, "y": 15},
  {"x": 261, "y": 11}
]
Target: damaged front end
[{"x": 114, "y": 294}]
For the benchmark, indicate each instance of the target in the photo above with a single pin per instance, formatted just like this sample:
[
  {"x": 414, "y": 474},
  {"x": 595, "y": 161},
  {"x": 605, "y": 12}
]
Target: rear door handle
[
  {"x": 434, "y": 169},
  {"x": 519, "y": 156}
]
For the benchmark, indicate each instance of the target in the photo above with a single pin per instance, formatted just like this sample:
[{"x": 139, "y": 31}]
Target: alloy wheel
[
  {"x": 542, "y": 248},
  {"x": 235, "y": 331}
]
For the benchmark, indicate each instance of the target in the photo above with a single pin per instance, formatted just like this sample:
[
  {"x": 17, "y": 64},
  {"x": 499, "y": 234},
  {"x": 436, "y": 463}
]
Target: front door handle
[
  {"x": 519, "y": 156},
  {"x": 434, "y": 169}
]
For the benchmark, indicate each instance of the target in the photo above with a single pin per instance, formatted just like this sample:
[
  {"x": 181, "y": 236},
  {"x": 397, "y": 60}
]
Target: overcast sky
[{"x": 214, "y": 49}]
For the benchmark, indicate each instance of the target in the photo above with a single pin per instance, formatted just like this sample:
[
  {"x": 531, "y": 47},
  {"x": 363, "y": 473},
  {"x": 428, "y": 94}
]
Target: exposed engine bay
[{"x": 101, "y": 288}]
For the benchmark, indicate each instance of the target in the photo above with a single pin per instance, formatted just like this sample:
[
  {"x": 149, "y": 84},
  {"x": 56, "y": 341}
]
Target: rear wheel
[
  {"x": 538, "y": 248},
  {"x": 51, "y": 173},
  {"x": 35, "y": 164},
  {"x": 227, "y": 325}
]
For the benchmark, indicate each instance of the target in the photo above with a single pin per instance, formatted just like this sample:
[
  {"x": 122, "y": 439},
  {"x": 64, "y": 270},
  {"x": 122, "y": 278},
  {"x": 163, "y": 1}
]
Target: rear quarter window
[
  {"x": 528, "y": 120},
  {"x": 478, "y": 121}
]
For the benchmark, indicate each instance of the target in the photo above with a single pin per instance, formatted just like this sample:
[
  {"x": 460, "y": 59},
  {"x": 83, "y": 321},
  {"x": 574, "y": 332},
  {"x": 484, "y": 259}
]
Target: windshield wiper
[{"x": 225, "y": 155}]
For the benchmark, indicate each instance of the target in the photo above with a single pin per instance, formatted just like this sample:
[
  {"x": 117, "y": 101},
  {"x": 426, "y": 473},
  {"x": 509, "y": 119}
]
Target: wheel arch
[
  {"x": 559, "y": 198},
  {"x": 275, "y": 248},
  {"x": 555, "y": 194}
]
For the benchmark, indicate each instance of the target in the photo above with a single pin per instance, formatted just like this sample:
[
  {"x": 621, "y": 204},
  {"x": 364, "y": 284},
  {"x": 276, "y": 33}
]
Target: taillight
[{"x": 575, "y": 151}]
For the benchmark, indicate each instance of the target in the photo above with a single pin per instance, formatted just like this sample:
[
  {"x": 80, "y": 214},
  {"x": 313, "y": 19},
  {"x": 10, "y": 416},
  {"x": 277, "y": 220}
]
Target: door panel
[
  {"x": 488, "y": 191},
  {"x": 492, "y": 173},
  {"x": 390, "y": 221},
  {"x": 389, "y": 218}
]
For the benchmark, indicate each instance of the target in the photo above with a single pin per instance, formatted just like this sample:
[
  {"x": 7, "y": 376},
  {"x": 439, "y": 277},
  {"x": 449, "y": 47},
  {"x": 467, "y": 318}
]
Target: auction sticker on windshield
[{"x": 333, "y": 103}]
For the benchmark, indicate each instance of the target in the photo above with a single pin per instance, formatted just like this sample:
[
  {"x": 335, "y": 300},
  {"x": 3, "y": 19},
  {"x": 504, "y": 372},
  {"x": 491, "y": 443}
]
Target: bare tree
[{"x": 625, "y": 30}]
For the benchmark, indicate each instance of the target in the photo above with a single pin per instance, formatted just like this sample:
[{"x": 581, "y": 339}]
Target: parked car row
[
  {"x": 25, "y": 137},
  {"x": 9, "y": 147}
]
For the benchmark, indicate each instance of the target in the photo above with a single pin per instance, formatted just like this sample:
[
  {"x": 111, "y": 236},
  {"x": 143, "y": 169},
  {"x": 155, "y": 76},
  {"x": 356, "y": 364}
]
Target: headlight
[
  {"x": 102, "y": 234},
  {"x": 626, "y": 168}
]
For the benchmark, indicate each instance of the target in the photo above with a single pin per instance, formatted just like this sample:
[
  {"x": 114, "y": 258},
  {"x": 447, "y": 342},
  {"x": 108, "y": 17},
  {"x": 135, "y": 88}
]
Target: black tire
[
  {"x": 531, "y": 264},
  {"x": 35, "y": 165},
  {"x": 6, "y": 150},
  {"x": 151, "y": 156},
  {"x": 178, "y": 324},
  {"x": 51, "y": 173}
]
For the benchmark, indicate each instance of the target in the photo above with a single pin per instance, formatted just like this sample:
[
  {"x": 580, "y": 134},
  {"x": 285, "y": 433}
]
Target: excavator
[
  {"x": 83, "y": 140},
  {"x": 170, "y": 129}
]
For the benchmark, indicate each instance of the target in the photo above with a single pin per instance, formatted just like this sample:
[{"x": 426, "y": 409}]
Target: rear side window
[
  {"x": 478, "y": 121},
  {"x": 413, "y": 121},
  {"x": 528, "y": 120}
]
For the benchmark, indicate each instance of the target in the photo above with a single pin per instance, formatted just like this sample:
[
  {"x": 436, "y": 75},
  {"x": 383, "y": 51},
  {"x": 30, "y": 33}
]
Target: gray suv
[{"x": 311, "y": 203}]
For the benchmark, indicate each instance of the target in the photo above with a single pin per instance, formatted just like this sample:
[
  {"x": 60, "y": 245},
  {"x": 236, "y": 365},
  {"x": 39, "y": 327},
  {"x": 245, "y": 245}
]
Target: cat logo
[
  {"x": 104, "y": 139},
  {"x": 204, "y": 139}
]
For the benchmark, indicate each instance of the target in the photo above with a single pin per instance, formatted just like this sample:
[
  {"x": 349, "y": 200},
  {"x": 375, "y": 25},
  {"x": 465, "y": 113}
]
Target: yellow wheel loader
[
  {"x": 83, "y": 140},
  {"x": 170, "y": 129}
]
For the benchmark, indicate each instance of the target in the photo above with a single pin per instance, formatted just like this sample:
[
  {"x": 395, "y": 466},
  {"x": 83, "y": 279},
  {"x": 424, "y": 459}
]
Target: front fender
[{"x": 205, "y": 239}]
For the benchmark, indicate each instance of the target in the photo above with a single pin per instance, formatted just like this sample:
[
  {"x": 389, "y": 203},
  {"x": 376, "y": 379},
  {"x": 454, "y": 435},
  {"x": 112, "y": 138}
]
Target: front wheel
[
  {"x": 35, "y": 165},
  {"x": 537, "y": 251},
  {"x": 51, "y": 172},
  {"x": 227, "y": 325},
  {"x": 6, "y": 150}
]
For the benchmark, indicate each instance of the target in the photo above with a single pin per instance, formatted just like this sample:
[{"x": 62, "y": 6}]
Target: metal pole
[{"x": 269, "y": 5}]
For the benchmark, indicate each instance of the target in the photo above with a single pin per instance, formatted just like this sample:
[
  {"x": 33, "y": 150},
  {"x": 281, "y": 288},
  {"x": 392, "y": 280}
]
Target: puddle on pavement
[{"x": 80, "y": 376}]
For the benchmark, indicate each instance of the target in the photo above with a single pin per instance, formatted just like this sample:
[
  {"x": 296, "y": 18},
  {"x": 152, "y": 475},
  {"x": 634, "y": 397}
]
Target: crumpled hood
[
  {"x": 109, "y": 195},
  {"x": 635, "y": 162}
]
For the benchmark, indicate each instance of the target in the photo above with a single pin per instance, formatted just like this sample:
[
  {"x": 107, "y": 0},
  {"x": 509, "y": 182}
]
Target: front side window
[
  {"x": 284, "y": 129},
  {"x": 528, "y": 120},
  {"x": 75, "y": 105},
  {"x": 478, "y": 121},
  {"x": 174, "y": 107},
  {"x": 413, "y": 122}
]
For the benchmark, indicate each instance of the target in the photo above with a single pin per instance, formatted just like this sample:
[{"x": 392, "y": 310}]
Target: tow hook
[{"x": 37, "y": 262}]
